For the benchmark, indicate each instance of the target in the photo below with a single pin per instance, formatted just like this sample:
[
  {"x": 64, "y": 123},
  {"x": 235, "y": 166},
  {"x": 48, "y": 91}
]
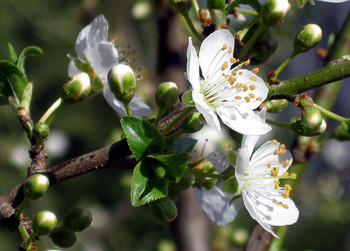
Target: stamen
[
  {"x": 282, "y": 151},
  {"x": 285, "y": 174},
  {"x": 277, "y": 183},
  {"x": 256, "y": 70},
  {"x": 283, "y": 205},
  {"x": 233, "y": 60},
  {"x": 229, "y": 50},
  {"x": 247, "y": 99},
  {"x": 280, "y": 161},
  {"x": 224, "y": 47},
  {"x": 247, "y": 62},
  {"x": 275, "y": 142},
  {"x": 253, "y": 78},
  {"x": 293, "y": 176},
  {"x": 252, "y": 87},
  {"x": 269, "y": 164},
  {"x": 238, "y": 97},
  {"x": 259, "y": 98},
  {"x": 224, "y": 66},
  {"x": 252, "y": 95},
  {"x": 274, "y": 172},
  {"x": 286, "y": 163},
  {"x": 276, "y": 151}
]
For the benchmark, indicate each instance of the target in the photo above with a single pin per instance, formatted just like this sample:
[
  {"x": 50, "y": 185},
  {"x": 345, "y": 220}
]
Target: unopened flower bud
[
  {"x": 301, "y": 129},
  {"x": 77, "y": 220},
  {"x": 41, "y": 130},
  {"x": 160, "y": 171},
  {"x": 341, "y": 132},
  {"x": 166, "y": 95},
  {"x": 63, "y": 238},
  {"x": 193, "y": 123},
  {"x": 181, "y": 6},
  {"x": 307, "y": 37},
  {"x": 77, "y": 88},
  {"x": 122, "y": 82},
  {"x": 44, "y": 222},
  {"x": 164, "y": 209},
  {"x": 276, "y": 105},
  {"x": 311, "y": 119},
  {"x": 274, "y": 11},
  {"x": 35, "y": 186}
]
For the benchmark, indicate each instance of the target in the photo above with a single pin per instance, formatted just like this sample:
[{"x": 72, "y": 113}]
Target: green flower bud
[
  {"x": 277, "y": 105},
  {"x": 77, "y": 220},
  {"x": 274, "y": 11},
  {"x": 166, "y": 95},
  {"x": 35, "y": 186},
  {"x": 311, "y": 119},
  {"x": 160, "y": 171},
  {"x": 307, "y": 37},
  {"x": 181, "y": 6},
  {"x": 216, "y": 4},
  {"x": 77, "y": 88},
  {"x": 341, "y": 132},
  {"x": 164, "y": 209},
  {"x": 44, "y": 222},
  {"x": 63, "y": 238},
  {"x": 122, "y": 82},
  {"x": 193, "y": 123},
  {"x": 303, "y": 130},
  {"x": 41, "y": 130}
]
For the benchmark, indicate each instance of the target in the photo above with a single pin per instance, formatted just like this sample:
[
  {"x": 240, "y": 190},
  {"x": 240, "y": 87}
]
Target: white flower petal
[
  {"x": 138, "y": 107},
  {"x": 211, "y": 55},
  {"x": 334, "y": 1},
  {"x": 97, "y": 31},
  {"x": 113, "y": 102},
  {"x": 216, "y": 205},
  {"x": 102, "y": 57},
  {"x": 206, "y": 110},
  {"x": 219, "y": 158},
  {"x": 72, "y": 69},
  {"x": 242, "y": 163},
  {"x": 193, "y": 66},
  {"x": 256, "y": 87},
  {"x": 243, "y": 120}
]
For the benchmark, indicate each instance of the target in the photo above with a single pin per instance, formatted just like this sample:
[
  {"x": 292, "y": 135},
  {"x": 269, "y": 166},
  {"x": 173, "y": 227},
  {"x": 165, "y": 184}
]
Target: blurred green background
[{"x": 158, "y": 41}]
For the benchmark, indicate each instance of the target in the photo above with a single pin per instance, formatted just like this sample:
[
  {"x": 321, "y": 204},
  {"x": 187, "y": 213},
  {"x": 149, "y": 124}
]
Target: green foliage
[
  {"x": 30, "y": 51},
  {"x": 230, "y": 186},
  {"x": 301, "y": 3},
  {"x": 63, "y": 238},
  {"x": 187, "y": 98},
  {"x": 77, "y": 220},
  {"x": 143, "y": 138}
]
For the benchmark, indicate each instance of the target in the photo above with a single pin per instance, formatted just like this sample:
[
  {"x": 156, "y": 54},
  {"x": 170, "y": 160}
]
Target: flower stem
[
  {"x": 245, "y": 30},
  {"x": 175, "y": 135},
  {"x": 50, "y": 114},
  {"x": 251, "y": 41},
  {"x": 177, "y": 119},
  {"x": 196, "y": 7},
  {"x": 19, "y": 211},
  {"x": 191, "y": 26},
  {"x": 275, "y": 123},
  {"x": 127, "y": 109},
  {"x": 26, "y": 244},
  {"x": 284, "y": 64},
  {"x": 159, "y": 115},
  {"x": 23, "y": 234},
  {"x": 329, "y": 114}
]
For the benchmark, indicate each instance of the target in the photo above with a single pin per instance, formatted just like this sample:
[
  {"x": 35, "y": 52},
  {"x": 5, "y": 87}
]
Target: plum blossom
[
  {"x": 258, "y": 175},
  {"x": 232, "y": 94},
  {"x": 93, "y": 48}
]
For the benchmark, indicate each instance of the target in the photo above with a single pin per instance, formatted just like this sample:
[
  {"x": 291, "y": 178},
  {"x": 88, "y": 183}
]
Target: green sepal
[
  {"x": 30, "y": 51},
  {"x": 143, "y": 138},
  {"x": 12, "y": 81},
  {"x": 230, "y": 186},
  {"x": 187, "y": 98},
  {"x": 232, "y": 157},
  {"x": 237, "y": 196},
  {"x": 301, "y": 3},
  {"x": 12, "y": 53},
  {"x": 184, "y": 145},
  {"x": 252, "y": 3},
  {"x": 146, "y": 185},
  {"x": 175, "y": 165}
]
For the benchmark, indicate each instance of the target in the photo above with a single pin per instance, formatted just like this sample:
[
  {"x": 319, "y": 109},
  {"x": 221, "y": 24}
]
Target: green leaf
[
  {"x": 175, "y": 165},
  {"x": 12, "y": 81},
  {"x": 30, "y": 51},
  {"x": 12, "y": 53},
  {"x": 230, "y": 186},
  {"x": 184, "y": 145},
  {"x": 143, "y": 138},
  {"x": 301, "y": 3},
  {"x": 232, "y": 158},
  {"x": 146, "y": 186},
  {"x": 187, "y": 98}
]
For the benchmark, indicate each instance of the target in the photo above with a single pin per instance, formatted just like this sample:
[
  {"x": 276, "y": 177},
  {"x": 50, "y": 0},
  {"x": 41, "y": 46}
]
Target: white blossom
[
  {"x": 92, "y": 47},
  {"x": 232, "y": 94}
]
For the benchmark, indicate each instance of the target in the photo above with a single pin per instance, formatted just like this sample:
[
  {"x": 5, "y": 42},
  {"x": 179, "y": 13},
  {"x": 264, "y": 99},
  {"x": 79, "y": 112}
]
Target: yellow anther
[
  {"x": 229, "y": 50},
  {"x": 274, "y": 172},
  {"x": 259, "y": 98},
  {"x": 245, "y": 87},
  {"x": 253, "y": 78},
  {"x": 286, "y": 163},
  {"x": 277, "y": 183},
  {"x": 234, "y": 73},
  {"x": 288, "y": 187},
  {"x": 280, "y": 161},
  {"x": 247, "y": 99},
  {"x": 276, "y": 152},
  {"x": 247, "y": 62},
  {"x": 233, "y": 60},
  {"x": 223, "y": 74},
  {"x": 275, "y": 142},
  {"x": 293, "y": 176},
  {"x": 238, "y": 97},
  {"x": 282, "y": 151},
  {"x": 283, "y": 146},
  {"x": 252, "y": 95},
  {"x": 269, "y": 164},
  {"x": 285, "y": 195},
  {"x": 285, "y": 174},
  {"x": 238, "y": 60},
  {"x": 283, "y": 205},
  {"x": 226, "y": 76},
  {"x": 224, "y": 47},
  {"x": 231, "y": 80},
  {"x": 240, "y": 73},
  {"x": 256, "y": 70},
  {"x": 252, "y": 87},
  {"x": 224, "y": 66}
]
